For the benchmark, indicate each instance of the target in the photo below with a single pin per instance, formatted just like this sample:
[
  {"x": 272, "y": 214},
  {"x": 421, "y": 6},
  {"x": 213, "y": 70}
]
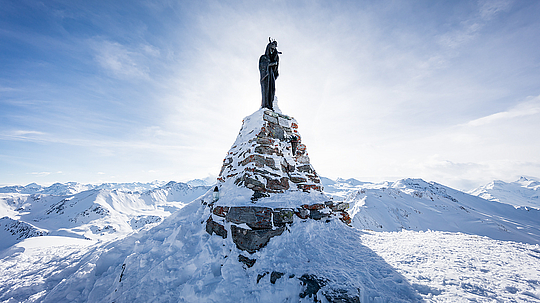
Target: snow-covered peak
[
  {"x": 350, "y": 181},
  {"x": 523, "y": 192},
  {"x": 528, "y": 182}
]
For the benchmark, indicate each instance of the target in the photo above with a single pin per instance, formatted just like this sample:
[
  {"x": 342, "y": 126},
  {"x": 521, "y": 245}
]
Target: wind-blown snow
[{"x": 455, "y": 267}]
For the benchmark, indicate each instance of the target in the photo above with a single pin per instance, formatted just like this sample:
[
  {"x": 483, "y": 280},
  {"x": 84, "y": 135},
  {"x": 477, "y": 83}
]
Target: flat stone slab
[
  {"x": 255, "y": 217},
  {"x": 253, "y": 240},
  {"x": 214, "y": 227}
]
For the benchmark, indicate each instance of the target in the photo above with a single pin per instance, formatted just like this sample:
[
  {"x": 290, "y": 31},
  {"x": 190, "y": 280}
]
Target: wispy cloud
[
  {"x": 490, "y": 8},
  {"x": 469, "y": 28},
  {"x": 120, "y": 60},
  {"x": 527, "y": 108},
  {"x": 25, "y": 135}
]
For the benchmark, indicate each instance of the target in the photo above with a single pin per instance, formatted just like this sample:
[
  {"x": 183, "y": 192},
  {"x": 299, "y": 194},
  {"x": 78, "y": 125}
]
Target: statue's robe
[{"x": 268, "y": 77}]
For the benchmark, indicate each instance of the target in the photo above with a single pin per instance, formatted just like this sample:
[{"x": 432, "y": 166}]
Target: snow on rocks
[
  {"x": 13, "y": 231},
  {"x": 178, "y": 261},
  {"x": 268, "y": 157},
  {"x": 96, "y": 214}
]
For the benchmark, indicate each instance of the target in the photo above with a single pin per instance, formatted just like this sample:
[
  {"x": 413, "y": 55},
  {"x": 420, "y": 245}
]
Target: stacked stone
[
  {"x": 266, "y": 162},
  {"x": 265, "y": 222}
]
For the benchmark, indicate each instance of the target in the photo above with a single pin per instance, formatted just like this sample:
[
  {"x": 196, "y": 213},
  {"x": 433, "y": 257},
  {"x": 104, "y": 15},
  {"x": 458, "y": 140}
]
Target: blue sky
[{"x": 125, "y": 91}]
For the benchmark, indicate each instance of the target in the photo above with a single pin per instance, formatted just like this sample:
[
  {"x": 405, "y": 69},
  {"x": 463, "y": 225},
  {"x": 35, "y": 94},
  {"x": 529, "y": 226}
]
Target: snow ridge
[{"x": 524, "y": 192}]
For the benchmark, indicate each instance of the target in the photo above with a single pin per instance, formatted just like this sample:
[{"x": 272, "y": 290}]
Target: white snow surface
[{"x": 455, "y": 267}]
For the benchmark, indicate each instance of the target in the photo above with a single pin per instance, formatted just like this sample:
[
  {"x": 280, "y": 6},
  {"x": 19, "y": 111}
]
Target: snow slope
[
  {"x": 413, "y": 204},
  {"x": 455, "y": 267},
  {"x": 178, "y": 261},
  {"x": 524, "y": 192}
]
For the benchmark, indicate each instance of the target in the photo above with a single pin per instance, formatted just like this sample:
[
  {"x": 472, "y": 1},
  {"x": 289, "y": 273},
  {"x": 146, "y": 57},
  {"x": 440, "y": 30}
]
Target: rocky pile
[
  {"x": 268, "y": 188},
  {"x": 251, "y": 227},
  {"x": 269, "y": 157}
]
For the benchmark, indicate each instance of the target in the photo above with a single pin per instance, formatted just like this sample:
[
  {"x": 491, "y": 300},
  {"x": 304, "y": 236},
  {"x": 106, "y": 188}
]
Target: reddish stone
[
  {"x": 345, "y": 218},
  {"x": 279, "y": 185},
  {"x": 308, "y": 187},
  {"x": 313, "y": 206},
  {"x": 302, "y": 213},
  {"x": 260, "y": 161},
  {"x": 220, "y": 211}
]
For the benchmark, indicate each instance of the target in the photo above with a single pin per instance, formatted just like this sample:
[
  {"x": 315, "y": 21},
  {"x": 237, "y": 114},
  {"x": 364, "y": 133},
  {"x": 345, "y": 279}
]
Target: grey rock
[
  {"x": 253, "y": 240},
  {"x": 270, "y": 118},
  {"x": 214, "y": 227},
  {"x": 283, "y": 216},
  {"x": 340, "y": 296},
  {"x": 255, "y": 217},
  {"x": 247, "y": 261},
  {"x": 274, "y": 276},
  {"x": 312, "y": 285},
  {"x": 260, "y": 276}
]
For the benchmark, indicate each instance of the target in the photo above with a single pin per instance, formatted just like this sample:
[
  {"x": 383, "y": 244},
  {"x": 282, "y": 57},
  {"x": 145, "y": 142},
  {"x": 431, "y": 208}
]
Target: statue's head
[{"x": 271, "y": 47}]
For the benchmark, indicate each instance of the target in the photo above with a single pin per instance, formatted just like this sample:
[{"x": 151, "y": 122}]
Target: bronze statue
[{"x": 268, "y": 67}]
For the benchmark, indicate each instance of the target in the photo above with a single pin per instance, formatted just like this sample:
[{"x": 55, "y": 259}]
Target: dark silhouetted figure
[{"x": 268, "y": 67}]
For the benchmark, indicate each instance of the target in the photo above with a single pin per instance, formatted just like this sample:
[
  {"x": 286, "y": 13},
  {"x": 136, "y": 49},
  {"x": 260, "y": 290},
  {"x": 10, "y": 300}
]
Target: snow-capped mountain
[
  {"x": 59, "y": 189},
  {"x": 97, "y": 213},
  {"x": 413, "y": 204},
  {"x": 524, "y": 192},
  {"x": 431, "y": 212}
]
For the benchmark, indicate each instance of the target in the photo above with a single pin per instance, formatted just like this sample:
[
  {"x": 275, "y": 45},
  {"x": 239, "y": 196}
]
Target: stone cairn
[
  {"x": 268, "y": 158},
  {"x": 266, "y": 162}
]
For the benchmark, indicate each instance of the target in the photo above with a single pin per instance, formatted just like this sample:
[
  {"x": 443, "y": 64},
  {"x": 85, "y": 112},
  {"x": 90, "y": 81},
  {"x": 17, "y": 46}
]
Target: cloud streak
[{"x": 527, "y": 108}]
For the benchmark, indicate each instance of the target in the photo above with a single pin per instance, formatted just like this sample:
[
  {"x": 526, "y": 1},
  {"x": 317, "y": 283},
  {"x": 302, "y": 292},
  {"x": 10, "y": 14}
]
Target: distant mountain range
[
  {"x": 504, "y": 211},
  {"x": 96, "y": 212},
  {"x": 524, "y": 192}
]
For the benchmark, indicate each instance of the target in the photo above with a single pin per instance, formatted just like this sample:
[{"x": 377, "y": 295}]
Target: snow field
[
  {"x": 455, "y": 267},
  {"x": 35, "y": 266}
]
